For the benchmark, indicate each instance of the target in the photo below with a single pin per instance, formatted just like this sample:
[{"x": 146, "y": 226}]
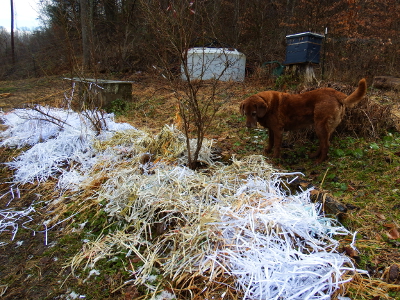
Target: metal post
[
  {"x": 12, "y": 32},
  {"x": 324, "y": 55}
]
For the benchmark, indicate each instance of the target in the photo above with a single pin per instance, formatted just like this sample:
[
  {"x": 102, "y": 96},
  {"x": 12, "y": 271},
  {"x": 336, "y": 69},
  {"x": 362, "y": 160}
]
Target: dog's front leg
[
  {"x": 270, "y": 142},
  {"x": 277, "y": 134},
  {"x": 277, "y": 143}
]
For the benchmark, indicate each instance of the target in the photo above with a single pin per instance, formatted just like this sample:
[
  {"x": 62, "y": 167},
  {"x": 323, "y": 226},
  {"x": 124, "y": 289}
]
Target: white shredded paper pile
[
  {"x": 282, "y": 251},
  {"x": 232, "y": 219},
  {"x": 59, "y": 139}
]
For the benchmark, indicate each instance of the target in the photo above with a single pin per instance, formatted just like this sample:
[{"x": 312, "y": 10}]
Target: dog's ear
[
  {"x": 242, "y": 109},
  {"x": 261, "y": 109}
]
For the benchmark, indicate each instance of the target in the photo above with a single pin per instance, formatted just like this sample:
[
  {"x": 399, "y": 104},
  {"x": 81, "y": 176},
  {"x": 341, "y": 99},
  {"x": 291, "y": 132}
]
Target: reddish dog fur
[{"x": 278, "y": 111}]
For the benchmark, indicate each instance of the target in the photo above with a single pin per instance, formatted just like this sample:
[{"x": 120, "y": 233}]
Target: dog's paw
[
  {"x": 267, "y": 151},
  {"x": 321, "y": 159}
]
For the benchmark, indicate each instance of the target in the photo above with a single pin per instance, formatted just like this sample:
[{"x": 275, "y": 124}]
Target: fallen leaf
[
  {"x": 350, "y": 252},
  {"x": 131, "y": 292},
  {"x": 223, "y": 138},
  {"x": 350, "y": 188},
  {"x": 393, "y": 234},
  {"x": 389, "y": 225},
  {"x": 393, "y": 273},
  {"x": 381, "y": 216}
]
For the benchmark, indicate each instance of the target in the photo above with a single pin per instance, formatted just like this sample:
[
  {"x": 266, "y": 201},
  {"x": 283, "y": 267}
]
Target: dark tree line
[{"x": 102, "y": 36}]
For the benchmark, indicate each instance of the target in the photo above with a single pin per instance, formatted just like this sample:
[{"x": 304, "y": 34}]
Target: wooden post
[
  {"x": 303, "y": 72},
  {"x": 387, "y": 82},
  {"x": 309, "y": 74}
]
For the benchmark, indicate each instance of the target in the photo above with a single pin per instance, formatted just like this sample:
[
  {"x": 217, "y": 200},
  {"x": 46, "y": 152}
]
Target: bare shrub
[{"x": 175, "y": 27}]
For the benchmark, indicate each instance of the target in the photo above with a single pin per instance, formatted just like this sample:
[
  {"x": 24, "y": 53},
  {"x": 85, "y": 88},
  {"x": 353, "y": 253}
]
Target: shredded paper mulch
[{"x": 222, "y": 221}]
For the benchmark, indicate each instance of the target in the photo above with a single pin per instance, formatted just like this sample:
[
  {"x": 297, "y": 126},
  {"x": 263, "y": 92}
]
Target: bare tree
[{"x": 176, "y": 26}]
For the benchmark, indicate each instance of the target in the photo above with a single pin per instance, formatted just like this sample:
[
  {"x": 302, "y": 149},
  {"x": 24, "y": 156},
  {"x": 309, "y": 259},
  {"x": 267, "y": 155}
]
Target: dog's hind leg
[
  {"x": 324, "y": 127},
  {"x": 324, "y": 131},
  {"x": 323, "y": 137}
]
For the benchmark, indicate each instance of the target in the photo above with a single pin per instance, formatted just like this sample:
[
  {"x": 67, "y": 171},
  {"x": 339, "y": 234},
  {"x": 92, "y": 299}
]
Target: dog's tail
[{"x": 357, "y": 95}]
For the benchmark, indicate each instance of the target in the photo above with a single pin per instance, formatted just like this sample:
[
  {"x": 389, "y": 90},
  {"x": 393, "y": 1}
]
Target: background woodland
[{"x": 130, "y": 36}]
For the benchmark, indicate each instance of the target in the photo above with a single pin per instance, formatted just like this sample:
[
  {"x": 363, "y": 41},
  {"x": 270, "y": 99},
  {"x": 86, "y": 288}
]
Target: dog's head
[{"x": 253, "y": 108}]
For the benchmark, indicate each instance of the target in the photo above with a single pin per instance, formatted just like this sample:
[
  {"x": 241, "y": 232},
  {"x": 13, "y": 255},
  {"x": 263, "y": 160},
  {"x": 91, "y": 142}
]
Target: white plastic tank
[{"x": 224, "y": 64}]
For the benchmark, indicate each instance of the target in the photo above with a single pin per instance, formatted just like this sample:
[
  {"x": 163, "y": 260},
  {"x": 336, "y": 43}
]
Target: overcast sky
[{"x": 25, "y": 12}]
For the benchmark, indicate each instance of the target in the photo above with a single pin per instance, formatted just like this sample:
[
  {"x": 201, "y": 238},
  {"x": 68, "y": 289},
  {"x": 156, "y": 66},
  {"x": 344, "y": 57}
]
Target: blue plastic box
[{"x": 303, "y": 48}]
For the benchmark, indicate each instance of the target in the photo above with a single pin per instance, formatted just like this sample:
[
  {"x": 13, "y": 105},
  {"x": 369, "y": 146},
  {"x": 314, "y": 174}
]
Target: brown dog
[{"x": 278, "y": 111}]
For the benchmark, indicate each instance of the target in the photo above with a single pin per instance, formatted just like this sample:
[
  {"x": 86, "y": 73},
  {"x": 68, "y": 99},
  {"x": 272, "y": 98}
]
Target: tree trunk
[
  {"x": 85, "y": 20},
  {"x": 110, "y": 9}
]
